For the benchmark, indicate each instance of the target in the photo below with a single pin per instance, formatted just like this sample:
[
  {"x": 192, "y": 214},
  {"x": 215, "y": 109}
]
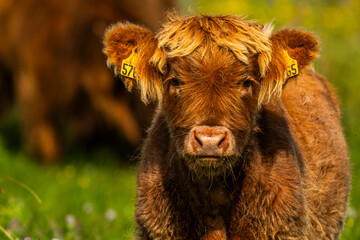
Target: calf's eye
[
  {"x": 175, "y": 82},
  {"x": 246, "y": 83}
]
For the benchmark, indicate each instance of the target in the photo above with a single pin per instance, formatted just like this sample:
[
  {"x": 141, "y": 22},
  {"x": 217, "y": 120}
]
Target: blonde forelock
[{"x": 181, "y": 37}]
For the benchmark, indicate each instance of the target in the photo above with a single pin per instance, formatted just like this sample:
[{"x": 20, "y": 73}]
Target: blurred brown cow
[{"x": 53, "y": 52}]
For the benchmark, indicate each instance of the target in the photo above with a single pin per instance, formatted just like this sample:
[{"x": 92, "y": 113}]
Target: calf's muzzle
[{"x": 210, "y": 141}]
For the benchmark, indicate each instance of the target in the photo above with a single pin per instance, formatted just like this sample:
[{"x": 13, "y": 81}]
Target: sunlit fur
[
  {"x": 300, "y": 45},
  {"x": 120, "y": 41},
  {"x": 180, "y": 37},
  {"x": 289, "y": 176}
]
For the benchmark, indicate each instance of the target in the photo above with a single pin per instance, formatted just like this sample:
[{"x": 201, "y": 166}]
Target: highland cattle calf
[{"x": 246, "y": 142}]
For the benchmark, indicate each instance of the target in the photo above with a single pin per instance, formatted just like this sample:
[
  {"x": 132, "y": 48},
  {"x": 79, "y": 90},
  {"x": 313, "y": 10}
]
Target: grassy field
[
  {"x": 91, "y": 196},
  {"x": 84, "y": 198}
]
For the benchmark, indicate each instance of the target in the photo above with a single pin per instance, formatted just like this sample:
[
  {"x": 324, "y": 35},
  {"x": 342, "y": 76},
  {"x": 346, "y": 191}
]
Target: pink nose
[{"x": 207, "y": 140}]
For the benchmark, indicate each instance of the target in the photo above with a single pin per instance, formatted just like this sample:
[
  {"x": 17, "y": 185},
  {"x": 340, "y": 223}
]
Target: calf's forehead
[
  {"x": 211, "y": 94},
  {"x": 209, "y": 63}
]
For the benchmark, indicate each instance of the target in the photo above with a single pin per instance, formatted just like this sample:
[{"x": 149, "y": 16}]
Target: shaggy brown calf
[
  {"x": 52, "y": 50},
  {"x": 246, "y": 142}
]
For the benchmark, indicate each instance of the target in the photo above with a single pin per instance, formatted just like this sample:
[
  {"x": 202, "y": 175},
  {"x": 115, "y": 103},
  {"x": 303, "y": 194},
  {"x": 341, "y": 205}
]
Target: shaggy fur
[
  {"x": 52, "y": 50},
  {"x": 289, "y": 176}
]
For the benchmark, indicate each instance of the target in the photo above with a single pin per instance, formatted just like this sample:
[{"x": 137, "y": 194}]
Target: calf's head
[{"x": 210, "y": 75}]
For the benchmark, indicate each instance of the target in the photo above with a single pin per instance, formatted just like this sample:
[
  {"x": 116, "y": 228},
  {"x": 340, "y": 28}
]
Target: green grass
[
  {"x": 84, "y": 198},
  {"x": 81, "y": 197}
]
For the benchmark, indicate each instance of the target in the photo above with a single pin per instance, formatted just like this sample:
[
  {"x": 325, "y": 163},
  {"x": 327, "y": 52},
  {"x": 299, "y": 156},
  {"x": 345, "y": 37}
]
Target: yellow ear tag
[
  {"x": 292, "y": 66},
  {"x": 128, "y": 68}
]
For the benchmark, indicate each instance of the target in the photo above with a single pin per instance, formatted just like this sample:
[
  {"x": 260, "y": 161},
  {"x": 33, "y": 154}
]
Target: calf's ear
[
  {"x": 287, "y": 45},
  {"x": 129, "y": 48}
]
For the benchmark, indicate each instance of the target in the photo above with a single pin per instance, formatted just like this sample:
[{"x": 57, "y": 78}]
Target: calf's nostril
[
  {"x": 222, "y": 140},
  {"x": 198, "y": 140}
]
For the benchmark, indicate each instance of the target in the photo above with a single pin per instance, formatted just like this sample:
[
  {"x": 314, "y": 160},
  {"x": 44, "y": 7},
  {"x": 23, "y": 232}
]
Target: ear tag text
[
  {"x": 128, "y": 68},
  {"x": 292, "y": 66}
]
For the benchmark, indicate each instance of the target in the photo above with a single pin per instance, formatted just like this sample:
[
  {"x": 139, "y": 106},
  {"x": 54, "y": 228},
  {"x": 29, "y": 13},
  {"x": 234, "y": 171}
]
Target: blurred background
[{"x": 70, "y": 133}]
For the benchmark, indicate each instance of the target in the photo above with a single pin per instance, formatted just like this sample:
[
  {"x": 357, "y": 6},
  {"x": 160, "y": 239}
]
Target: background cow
[
  {"x": 51, "y": 62},
  {"x": 246, "y": 142}
]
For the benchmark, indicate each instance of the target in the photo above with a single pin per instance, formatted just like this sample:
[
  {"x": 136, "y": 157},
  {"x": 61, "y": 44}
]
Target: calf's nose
[{"x": 207, "y": 140}]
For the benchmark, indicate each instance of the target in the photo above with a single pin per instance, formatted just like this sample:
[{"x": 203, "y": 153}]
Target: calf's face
[
  {"x": 210, "y": 76},
  {"x": 210, "y": 101}
]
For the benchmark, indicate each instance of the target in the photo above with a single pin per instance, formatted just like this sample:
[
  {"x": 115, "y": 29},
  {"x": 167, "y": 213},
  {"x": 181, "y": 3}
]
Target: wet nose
[{"x": 207, "y": 140}]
